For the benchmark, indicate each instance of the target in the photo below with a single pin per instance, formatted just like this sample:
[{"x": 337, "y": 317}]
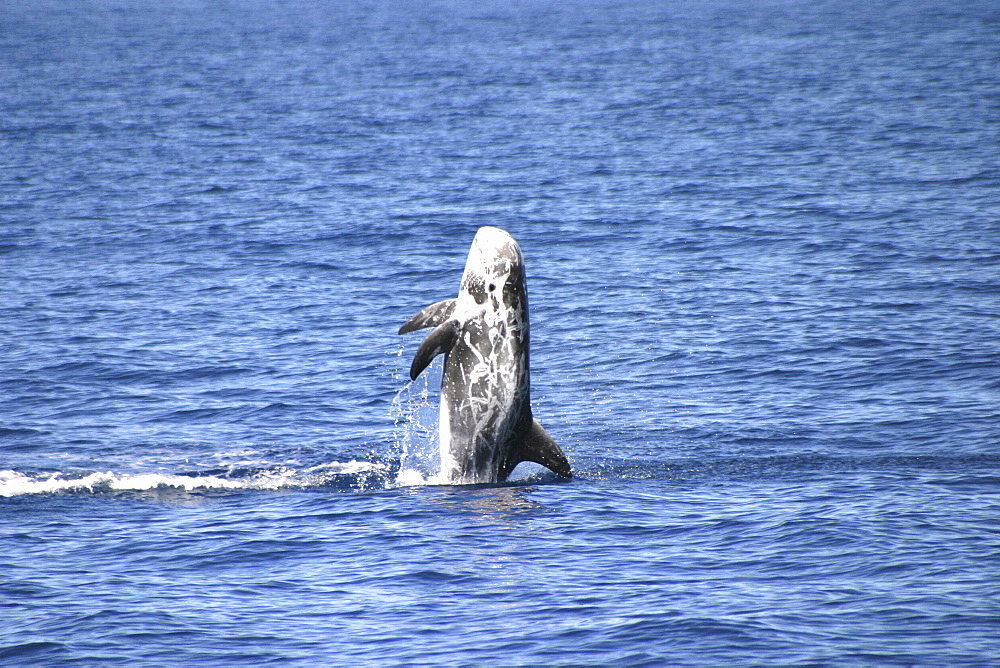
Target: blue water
[{"x": 763, "y": 253}]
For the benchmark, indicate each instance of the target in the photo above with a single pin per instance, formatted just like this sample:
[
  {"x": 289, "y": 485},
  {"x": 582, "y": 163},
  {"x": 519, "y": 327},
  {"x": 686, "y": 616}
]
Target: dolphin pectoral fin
[
  {"x": 432, "y": 316},
  {"x": 539, "y": 447},
  {"x": 440, "y": 340}
]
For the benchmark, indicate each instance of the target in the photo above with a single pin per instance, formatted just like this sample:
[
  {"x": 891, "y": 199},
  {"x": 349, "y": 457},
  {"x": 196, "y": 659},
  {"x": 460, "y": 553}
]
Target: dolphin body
[{"x": 485, "y": 424}]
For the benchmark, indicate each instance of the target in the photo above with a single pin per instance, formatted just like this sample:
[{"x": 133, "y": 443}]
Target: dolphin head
[{"x": 494, "y": 272}]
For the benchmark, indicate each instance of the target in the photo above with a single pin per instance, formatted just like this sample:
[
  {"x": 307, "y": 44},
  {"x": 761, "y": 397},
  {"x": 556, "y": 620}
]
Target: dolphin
[{"x": 485, "y": 425}]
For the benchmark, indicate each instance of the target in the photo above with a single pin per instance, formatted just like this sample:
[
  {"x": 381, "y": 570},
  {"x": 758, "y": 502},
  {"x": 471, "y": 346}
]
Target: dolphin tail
[
  {"x": 538, "y": 447},
  {"x": 432, "y": 316}
]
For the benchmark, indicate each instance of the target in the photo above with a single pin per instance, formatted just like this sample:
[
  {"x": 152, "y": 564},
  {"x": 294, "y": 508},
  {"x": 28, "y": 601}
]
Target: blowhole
[{"x": 492, "y": 287}]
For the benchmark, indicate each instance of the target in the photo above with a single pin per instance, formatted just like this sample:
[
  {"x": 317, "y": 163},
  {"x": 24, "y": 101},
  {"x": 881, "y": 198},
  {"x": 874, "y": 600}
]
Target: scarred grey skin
[{"x": 485, "y": 423}]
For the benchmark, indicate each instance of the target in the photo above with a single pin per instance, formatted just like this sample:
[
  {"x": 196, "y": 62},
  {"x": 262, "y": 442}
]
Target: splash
[{"x": 414, "y": 413}]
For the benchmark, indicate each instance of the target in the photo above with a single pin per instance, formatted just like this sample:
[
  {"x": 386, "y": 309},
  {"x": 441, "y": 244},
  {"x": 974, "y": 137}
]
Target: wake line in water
[
  {"x": 413, "y": 411},
  {"x": 353, "y": 474}
]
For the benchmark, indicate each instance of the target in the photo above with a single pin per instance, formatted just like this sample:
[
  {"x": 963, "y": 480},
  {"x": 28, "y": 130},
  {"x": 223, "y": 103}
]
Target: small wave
[{"x": 353, "y": 474}]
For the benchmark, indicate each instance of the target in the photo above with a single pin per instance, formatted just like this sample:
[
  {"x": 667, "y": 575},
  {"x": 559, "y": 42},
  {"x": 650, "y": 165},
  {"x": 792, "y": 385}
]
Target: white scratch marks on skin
[{"x": 486, "y": 381}]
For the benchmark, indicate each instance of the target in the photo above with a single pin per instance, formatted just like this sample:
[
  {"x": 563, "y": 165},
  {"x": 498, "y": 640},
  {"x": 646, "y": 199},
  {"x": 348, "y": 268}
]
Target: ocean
[{"x": 762, "y": 243}]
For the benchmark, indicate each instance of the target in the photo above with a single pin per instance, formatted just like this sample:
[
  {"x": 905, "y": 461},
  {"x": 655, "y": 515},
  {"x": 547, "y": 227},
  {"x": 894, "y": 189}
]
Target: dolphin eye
[{"x": 492, "y": 287}]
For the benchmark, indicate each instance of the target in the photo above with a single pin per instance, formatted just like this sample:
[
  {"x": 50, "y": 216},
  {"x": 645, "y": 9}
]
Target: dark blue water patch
[
  {"x": 795, "y": 467},
  {"x": 37, "y": 651},
  {"x": 18, "y": 434}
]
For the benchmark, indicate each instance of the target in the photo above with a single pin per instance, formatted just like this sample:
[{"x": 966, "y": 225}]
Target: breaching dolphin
[{"x": 485, "y": 424}]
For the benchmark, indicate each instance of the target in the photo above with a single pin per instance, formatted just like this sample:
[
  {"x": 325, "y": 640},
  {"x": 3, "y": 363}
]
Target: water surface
[{"x": 763, "y": 255}]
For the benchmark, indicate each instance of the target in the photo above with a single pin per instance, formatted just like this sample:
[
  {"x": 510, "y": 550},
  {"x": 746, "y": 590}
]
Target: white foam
[
  {"x": 410, "y": 478},
  {"x": 14, "y": 483}
]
